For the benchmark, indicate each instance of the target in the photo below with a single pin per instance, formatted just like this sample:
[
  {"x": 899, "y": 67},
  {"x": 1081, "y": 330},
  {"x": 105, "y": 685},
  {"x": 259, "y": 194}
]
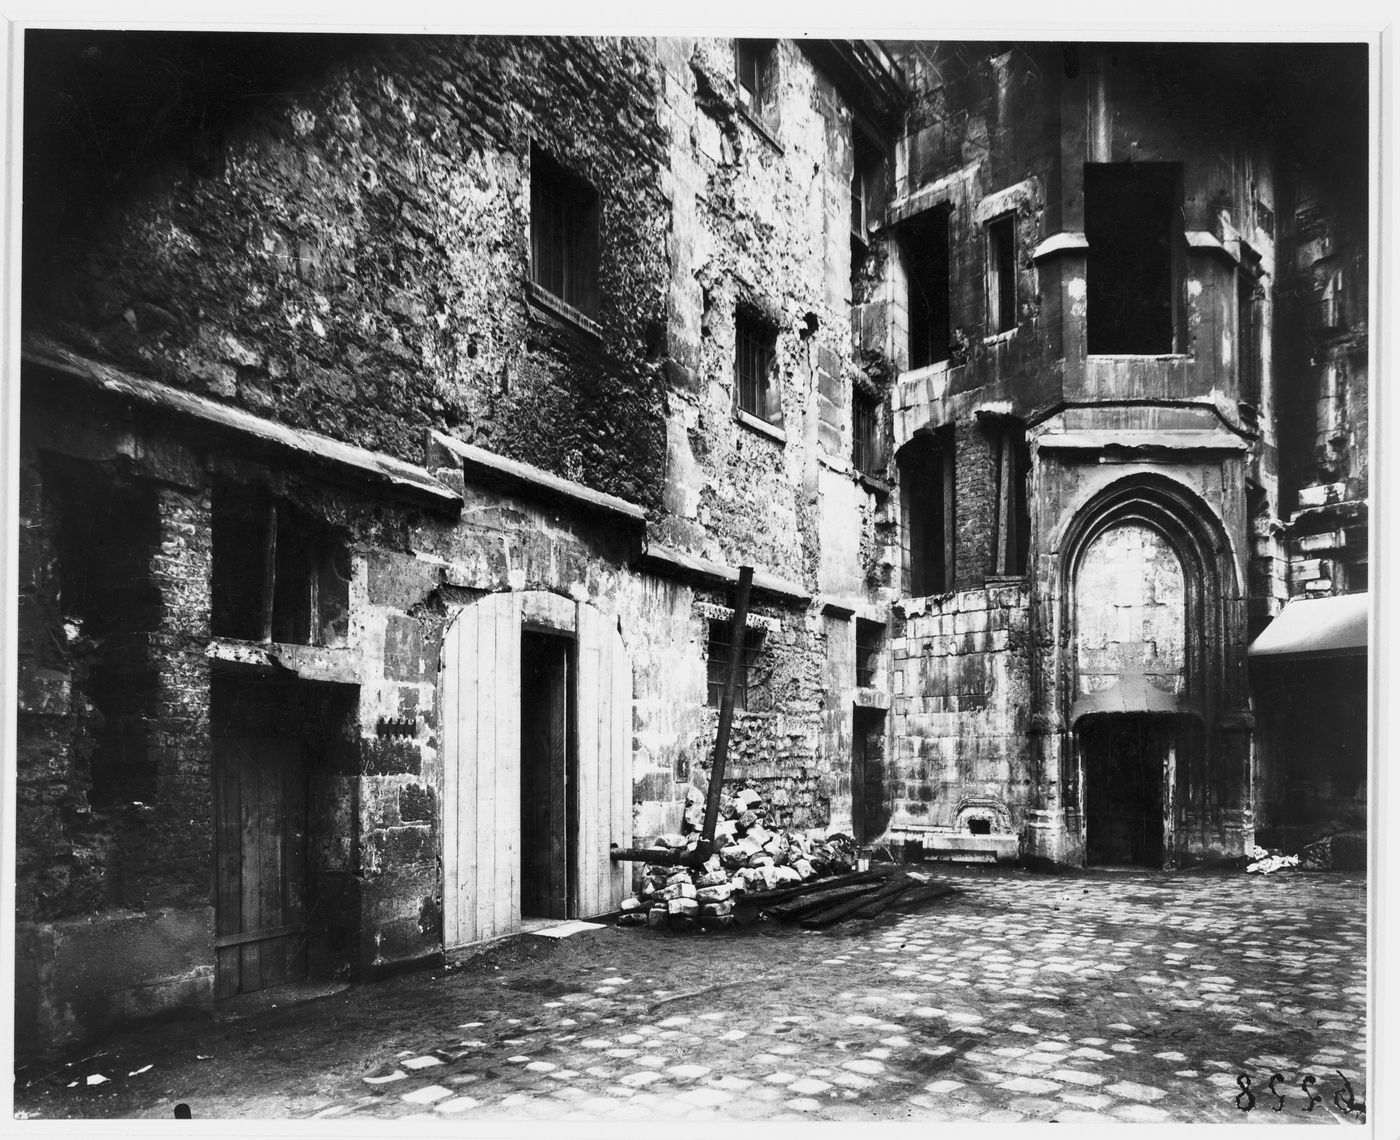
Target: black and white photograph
[{"x": 625, "y": 581}]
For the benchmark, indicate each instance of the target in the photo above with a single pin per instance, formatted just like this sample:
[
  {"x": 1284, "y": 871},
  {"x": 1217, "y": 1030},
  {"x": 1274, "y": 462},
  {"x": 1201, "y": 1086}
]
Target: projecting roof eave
[{"x": 1313, "y": 628}]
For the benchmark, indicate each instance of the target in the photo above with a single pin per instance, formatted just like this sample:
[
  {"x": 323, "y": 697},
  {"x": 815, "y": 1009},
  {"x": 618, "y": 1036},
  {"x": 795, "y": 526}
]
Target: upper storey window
[
  {"x": 755, "y": 68},
  {"x": 755, "y": 356},
  {"x": 924, "y": 256},
  {"x": 1001, "y": 274},
  {"x": 1132, "y": 220},
  {"x": 563, "y": 234}
]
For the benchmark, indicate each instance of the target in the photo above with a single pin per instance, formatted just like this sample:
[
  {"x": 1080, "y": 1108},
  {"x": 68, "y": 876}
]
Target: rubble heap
[{"x": 750, "y": 856}]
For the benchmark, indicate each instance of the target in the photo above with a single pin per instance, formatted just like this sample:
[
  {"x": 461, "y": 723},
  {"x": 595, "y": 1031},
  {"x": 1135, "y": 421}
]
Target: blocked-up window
[
  {"x": 278, "y": 574},
  {"x": 563, "y": 234},
  {"x": 924, "y": 255},
  {"x": 1001, "y": 273},
  {"x": 866, "y": 452},
  {"x": 926, "y": 484},
  {"x": 1133, "y": 223},
  {"x": 870, "y": 640},
  {"x": 755, "y": 354},
  {"x": 1011, "y": 537},
  {"x": 750, "y": 677}
]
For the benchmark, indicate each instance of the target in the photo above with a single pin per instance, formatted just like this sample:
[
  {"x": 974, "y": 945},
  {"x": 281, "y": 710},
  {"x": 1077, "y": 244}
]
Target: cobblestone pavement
[{"x": 1106, "y": 997}]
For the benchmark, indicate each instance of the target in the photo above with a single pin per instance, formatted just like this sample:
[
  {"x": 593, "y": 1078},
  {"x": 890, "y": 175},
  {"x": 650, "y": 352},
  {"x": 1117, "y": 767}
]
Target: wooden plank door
[
  {"x": 604, "y": 794},
  {"x": 260, "y": 860},
  {"x": 480, "y": 701}
]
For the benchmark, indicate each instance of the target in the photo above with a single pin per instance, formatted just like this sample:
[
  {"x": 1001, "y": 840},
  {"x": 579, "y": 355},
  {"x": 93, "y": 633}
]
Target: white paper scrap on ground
[{"x": 565, "y": 929}]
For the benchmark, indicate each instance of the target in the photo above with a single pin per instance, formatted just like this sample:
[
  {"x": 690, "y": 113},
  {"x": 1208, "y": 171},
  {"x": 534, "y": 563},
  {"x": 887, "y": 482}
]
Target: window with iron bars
[
  {"x": 563, "y": 234},
  {"x": 754, "y": 354},
  {"x": 753, "y": 65},
  {"x": 866, "y": 453},
  {"x": 717, "y": 664}
]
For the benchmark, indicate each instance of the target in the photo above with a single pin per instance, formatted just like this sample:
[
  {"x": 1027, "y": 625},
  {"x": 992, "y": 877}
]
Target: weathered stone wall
[
  {"x": 961, "y": 706},
  {"x": 351, "y": 253}
]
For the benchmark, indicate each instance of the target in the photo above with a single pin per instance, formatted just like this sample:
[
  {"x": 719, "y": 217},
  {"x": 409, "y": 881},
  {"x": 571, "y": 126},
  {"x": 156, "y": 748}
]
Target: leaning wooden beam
[
  {"x": 667, "y": 856},
  {"x": 737, "y": 630}
]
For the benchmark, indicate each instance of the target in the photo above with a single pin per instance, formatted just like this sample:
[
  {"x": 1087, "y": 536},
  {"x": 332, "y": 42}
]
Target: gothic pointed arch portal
[
  {"x": 536, "y": 697},
  {"x": 1149, "y": 646}
]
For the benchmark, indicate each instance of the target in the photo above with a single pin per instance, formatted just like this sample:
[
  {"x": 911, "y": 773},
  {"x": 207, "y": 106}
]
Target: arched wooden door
[{"x": 480, "y": 698}]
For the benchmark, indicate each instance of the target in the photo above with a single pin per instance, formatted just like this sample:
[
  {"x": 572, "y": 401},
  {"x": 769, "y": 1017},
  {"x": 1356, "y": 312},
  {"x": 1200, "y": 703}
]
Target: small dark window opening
[
  {"x": 1011, "y": 537},
  {"x": 278, "y": 574},
  {"x": 926, "y": 483},
  {"x": 1249, "y": 348},
  {"x": 1132, "y": 220},
  {"x": 753, "y": 66},
  {"x": 1001, "y": 274},
  {"x": 754, "y": 356},
  {"x": 979, "y": 826},
  {"x": 717, "y": 664},
  {"x": 563, "y": 234},
  {"x": 865, "y": 175},
  {"x": 923, "y": 245},
  {"x": 107, "y": 539},
  {"x": 865, "y": 433},
  {"x": 870, "y": 640}
]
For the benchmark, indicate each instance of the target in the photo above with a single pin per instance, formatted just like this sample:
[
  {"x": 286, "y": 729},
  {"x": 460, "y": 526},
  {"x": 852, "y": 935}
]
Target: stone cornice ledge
[
  {"x": 479, "y": 461},
  {"x": 676, "y": 564},
  {"x": 355, "y": 463}
]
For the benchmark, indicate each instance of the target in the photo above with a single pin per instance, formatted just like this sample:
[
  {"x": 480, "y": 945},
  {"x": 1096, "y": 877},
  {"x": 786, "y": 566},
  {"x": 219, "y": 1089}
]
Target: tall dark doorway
[
  {"x": 548, "y": 775},
  {"x": 1125, "y": 768},
  {"x": 260, "y": 826},
  {"x": 870, "y": 809}
]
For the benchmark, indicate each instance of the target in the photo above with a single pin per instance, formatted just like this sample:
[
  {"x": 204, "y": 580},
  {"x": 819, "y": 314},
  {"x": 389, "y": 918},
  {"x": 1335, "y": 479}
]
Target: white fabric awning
[{"x": 1315, "y": 627}]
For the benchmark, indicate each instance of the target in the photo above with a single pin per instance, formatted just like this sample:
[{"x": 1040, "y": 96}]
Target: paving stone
[
  {"x": 1077, "y": 1077},
  {"x": 1029, "y": 1085},
  {"x": 1131, "y": 1090},
  {"x": 457, "y": 1104}
]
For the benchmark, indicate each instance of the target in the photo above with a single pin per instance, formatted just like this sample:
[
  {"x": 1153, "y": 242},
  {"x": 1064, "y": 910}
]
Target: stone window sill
[
  {"x": 996, "y": 337},
  {"x": 556, "y": 307},
  {"x": 760, "y": 127},
  {"x": 763, "y": 427},
  {"x": 873, "y": 483},
  {"x": 334, "y": 664}
]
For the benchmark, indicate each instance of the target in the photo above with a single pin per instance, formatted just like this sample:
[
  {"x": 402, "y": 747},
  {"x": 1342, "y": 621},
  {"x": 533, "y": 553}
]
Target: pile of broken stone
[{"x": 750, "y": 855}]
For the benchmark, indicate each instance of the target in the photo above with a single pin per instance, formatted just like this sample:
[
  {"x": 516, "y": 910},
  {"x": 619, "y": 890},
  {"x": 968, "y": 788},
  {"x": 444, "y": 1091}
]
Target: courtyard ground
[{"x": 1104, "y": 997}]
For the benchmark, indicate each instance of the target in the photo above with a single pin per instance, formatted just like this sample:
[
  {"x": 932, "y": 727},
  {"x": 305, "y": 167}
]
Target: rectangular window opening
[
  {"x": 926, "y": 482},
  {"x": 1011, "y": 537},
  {"x": 1132, "y": 220},
  {"x": 754, "y": 357},
  {"x": 870, "y": 640},
  {"x": 924, "y": 251},
  {"x": 278, "y": 575},
  {"x": 865, "y": 433},
  {"x": 1001, "y": 274},
  {"x": 753, "y": 67},
  {"x": 717, "y": 665},
  {"x": 563, "y": 234},
  {"x": 1250, "y": 307}
]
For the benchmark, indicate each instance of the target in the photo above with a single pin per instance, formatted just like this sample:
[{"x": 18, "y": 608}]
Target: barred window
[
  {"x": 865, "y": 433},
  {"x": 754, "y": 355},
  {"x": 717, "y": 664},
  {"x": 563, "y": 234},
  {"x": 753, "y": 67}
]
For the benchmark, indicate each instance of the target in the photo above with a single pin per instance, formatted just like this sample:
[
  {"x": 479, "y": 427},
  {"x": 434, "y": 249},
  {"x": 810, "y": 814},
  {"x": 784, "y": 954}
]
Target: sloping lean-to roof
[{"x": 1315, "y": 627}]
